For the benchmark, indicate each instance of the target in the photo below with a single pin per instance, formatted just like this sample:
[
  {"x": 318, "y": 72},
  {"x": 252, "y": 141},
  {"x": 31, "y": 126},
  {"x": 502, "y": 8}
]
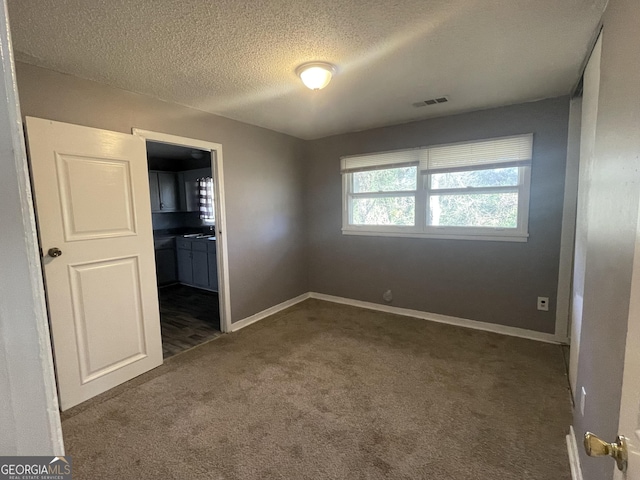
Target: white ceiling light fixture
[{"x": 316, "y": 75}]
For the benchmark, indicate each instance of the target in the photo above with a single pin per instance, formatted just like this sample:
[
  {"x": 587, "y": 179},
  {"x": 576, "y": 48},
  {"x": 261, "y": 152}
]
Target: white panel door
[
  {"x": 92, "y": 201},
  {"x": 629, "y": 424}
]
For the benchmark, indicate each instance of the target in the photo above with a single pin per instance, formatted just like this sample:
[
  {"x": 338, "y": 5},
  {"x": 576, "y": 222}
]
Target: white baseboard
[
  {"x": 433, "y": 317},
  {"x": 245, "y": 322},
  {"x": 574, "y": 457},
  {"x": 436, "y": 317}
]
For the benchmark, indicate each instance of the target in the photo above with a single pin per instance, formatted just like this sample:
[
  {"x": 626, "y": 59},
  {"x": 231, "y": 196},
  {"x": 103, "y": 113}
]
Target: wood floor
[{"x": 188, "y": 317}]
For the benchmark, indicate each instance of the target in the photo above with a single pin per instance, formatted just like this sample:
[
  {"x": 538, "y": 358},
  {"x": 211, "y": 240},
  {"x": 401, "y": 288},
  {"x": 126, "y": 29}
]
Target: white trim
[
  {"x": 436, "y": 317},
  {"x": 574, "y": 456},
  {"x": 433, "y": 317},
  {"x": 221, "y": 215},
  {"x": 488, "y": 238},
  {"x": 175, "y": 139},
  {"x": 569, "y": 212},
  {"x": 245, "y": 322}
]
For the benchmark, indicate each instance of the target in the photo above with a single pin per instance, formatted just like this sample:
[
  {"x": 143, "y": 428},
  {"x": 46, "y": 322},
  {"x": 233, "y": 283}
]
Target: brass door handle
[
  {"x": 54, "y": 252},
  {"x": 599, "y": 448}
]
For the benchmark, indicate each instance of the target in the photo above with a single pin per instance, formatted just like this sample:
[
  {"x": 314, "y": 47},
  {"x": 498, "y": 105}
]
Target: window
[
  {"x": 206, "y": 200},
  {"x": 471, "y": 190}
]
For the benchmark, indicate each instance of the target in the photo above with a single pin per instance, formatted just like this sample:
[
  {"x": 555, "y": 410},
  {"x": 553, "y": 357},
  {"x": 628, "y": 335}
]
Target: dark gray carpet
[{"x": 328, "y": 391}]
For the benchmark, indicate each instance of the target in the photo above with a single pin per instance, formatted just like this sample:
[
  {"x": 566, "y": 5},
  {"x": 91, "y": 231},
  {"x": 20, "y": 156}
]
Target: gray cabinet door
[
  {"x": 154, "y": 191},
  {"x": 200, "y": 269},
  {"x": 166, "y": 266},
  {"x": 182, "y": 192},
  {"x": 197, "y": 263},
  {"x": 168, "y": 185},
  {"x": 185, "y": 268}
]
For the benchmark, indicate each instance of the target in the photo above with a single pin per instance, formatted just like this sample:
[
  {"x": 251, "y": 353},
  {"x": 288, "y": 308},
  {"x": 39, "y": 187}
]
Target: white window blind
[
  {"x": 513, "y": 151},
  {"x": 503, "y": 152},
  {"x": 375, "y": 161}
]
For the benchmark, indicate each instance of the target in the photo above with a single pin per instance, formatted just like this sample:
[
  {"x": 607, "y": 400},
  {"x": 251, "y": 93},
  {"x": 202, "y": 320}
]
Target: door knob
[
  {"x": 599, "y": 448},
  {"x": 54, "y": 252}
]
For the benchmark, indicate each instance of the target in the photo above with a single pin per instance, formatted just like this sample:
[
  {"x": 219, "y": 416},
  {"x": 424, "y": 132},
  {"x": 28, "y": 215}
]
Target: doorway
[
  {"x": 181, "y": 189},
  {"x": 188, "y": 216}
]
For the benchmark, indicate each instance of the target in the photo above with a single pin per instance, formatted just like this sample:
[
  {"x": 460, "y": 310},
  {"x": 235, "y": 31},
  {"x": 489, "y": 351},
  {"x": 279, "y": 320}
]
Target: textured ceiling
[{"x": 237, "y": 59}]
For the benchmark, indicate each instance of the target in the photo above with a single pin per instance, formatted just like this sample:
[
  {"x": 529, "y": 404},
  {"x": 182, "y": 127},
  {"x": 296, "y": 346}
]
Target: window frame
[
  {"x": 423, "y": 193},
  {"x": 351, "y": 195}
]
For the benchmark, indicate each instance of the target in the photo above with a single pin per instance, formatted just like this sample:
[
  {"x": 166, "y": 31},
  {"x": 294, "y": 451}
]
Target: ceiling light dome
[{"x": 316, "y": 75}]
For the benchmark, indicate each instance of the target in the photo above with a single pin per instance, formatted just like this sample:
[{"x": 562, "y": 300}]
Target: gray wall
[
  {"x": 264, "y": 177},
  {"x": 496, "y": 282},
  {"x": 614, "y": 193},
  {"x": 276, "y": 252}
]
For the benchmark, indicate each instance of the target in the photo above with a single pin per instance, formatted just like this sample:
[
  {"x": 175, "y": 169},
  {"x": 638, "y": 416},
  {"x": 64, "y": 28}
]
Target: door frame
[{"x": 224, "y": 295}]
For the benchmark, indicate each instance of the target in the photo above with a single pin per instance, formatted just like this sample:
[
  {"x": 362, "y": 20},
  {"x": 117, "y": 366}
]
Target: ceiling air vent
[{"x": 431, "y": 101}]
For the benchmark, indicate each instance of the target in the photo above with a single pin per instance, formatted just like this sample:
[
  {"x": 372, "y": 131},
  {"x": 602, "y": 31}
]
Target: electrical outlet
[
  {"x": 583, "y": 400},
  {"x": 543, "y": 304},
  {"x": 387, "y": 296}
]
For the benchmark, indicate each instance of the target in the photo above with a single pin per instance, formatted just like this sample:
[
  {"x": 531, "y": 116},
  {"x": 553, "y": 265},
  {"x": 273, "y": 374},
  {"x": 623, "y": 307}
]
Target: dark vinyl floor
[{"x": 188, "y": 317}]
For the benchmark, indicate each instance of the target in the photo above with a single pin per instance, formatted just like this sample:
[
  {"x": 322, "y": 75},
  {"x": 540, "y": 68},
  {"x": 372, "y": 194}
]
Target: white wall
[
  {"x": 587, "y": 145},
  {"x": 563, "y": 310},
  {"x": 29, "y": 419},
  {"x": 567, "y": 307},
  {"x": 612, "y": 218}
]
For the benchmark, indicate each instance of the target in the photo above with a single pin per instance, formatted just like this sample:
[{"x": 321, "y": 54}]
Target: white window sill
[{"x": 493, "y": 237}]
